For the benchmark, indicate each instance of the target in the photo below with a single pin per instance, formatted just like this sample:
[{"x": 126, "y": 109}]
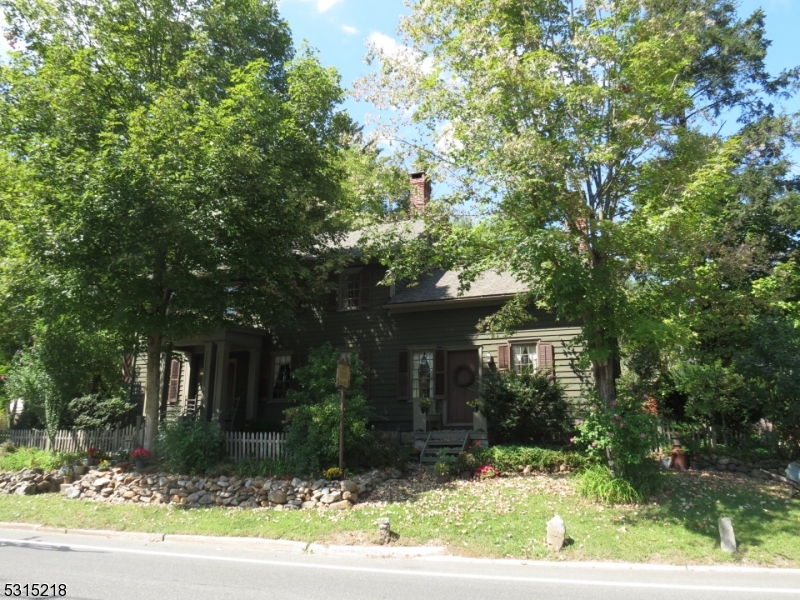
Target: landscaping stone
[
  {"x": 73, "y": 493},
  {"x": 384, "y": 530},
  {"x": 277, "y": 496},
  {"x": 727, "y": 539},
  {"x": 27, "y": 489},
  {"x": 556, "y": 533}
]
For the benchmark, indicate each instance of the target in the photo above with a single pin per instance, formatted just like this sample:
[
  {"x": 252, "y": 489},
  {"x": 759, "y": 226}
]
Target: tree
[
  {"x": 169, "y": 165},
  {"x": 580, "y": 138}
]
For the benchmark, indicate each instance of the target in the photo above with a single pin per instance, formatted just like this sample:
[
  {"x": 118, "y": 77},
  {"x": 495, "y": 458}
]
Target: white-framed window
[
  {"x": 281, "y": 375},
  {"x": 350, "y": 291},
  {"x": 523, "y": 357},
  {"x": 422, "y": 370}
]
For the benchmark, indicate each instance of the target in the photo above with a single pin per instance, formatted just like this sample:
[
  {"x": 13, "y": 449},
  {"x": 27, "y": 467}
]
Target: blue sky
[{"x": 339, "y": 29}]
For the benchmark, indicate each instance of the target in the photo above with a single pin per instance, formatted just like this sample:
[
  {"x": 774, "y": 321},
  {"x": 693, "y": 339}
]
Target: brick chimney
[{"x": 420, "y": 192}]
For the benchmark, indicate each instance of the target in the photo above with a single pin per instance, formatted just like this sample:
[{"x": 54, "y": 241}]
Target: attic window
[{"x": 351, "y": 290}]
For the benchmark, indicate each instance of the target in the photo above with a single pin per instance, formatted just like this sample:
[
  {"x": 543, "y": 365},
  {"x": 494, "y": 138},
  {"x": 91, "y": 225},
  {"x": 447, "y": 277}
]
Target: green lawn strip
[{"x": 498, "y": 518}]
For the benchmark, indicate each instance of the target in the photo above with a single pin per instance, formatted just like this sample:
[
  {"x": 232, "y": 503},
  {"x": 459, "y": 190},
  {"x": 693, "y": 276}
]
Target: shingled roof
[{"x": 444, "y": 286}]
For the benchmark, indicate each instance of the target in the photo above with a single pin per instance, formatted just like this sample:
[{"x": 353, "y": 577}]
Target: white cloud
[
  {"x": 325, "y": 5},
  {"x": 349, "y": 30},
  {"x": 384, "y": 45}
]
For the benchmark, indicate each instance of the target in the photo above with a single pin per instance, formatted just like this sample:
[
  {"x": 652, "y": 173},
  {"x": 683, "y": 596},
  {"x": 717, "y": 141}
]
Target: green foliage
[
  {"x": 586, "y": 131},
  {"x": 95, "y": 411},
  {"x": 446, "y": 464},
  {"x": 29, "y": 379},
  {"x": 34, "y": 458},
  {"x": 312, "y": 429},
  {"x": 524, "y": 408},
  {"x": 511, "y": 458},
  {"x": 598, "y": 483},
  {"x": 621, "y": 436},
  {"x": 267, "y": 467},
  {"x": 190, "y": 446},
  {"x": 334, "y": 474}
]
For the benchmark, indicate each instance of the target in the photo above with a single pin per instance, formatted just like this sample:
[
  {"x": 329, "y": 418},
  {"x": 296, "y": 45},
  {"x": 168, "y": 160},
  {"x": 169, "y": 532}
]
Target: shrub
[
  {"x": 96, "y": 411},
  {"x": 312, "y": 429},
  {"x": 513, "y": 458},
  {"x": 620, "y": 436},
  {"x": 191, "y": 446},
  {"x": 267, "y": 467},
  {"x": 524, "y": 408},
  {"x": 334, "y": 474},
  {"x": 385, "y": 451}
]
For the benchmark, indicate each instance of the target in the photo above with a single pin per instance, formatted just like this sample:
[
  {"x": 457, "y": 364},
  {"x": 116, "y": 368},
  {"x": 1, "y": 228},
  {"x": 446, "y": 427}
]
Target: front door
[{"x": 462, "y": 386}]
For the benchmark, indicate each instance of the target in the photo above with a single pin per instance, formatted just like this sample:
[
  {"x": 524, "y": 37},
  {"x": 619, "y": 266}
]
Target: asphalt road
[{"x": 102, "y": 568}]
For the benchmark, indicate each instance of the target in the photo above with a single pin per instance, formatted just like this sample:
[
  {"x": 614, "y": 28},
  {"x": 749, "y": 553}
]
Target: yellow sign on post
[{"x": 343, "y": 373}]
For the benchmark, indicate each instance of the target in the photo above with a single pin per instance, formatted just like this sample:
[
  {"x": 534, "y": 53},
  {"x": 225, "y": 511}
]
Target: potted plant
[
  {"x": 92, "y": 456},
  {"x": 140, "y": 457},
  {"x": 68, "y": 473},
  {"x": 79, "y": 470},
  {"x": 425, "y": 405}
]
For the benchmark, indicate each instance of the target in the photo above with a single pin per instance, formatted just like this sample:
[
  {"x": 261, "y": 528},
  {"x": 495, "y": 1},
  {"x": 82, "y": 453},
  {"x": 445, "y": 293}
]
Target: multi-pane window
[
  {"x": 351, "y": 290},
  {"x": 523, "y": 357},
  {"x": 422, "y": 374},
  {"x": 281, "y": 375}
]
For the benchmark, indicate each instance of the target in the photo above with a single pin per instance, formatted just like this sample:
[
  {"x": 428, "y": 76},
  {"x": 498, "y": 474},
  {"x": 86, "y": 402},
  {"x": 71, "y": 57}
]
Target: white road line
[{"x": 415, "y": 573}]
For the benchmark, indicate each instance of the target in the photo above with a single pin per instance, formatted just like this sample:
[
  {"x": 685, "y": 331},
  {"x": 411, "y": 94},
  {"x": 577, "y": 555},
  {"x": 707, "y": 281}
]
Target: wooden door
[{"x": 462, "y": 385}]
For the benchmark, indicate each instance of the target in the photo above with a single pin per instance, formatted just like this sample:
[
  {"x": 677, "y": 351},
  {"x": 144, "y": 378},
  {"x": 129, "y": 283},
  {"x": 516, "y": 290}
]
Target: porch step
[{"x": 452, "y": 442}]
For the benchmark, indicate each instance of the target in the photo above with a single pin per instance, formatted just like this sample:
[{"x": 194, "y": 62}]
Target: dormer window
[{"x": 354, "y": 289}]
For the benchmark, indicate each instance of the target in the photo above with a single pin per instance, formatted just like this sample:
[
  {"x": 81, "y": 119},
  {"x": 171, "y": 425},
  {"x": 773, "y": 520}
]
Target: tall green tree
[
  {"x": 168, "y": 164},
  {"x": 582, "y": 139}
]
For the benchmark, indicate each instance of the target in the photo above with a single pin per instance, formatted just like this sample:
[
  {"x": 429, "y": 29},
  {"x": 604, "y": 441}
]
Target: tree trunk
[
  {"x": 152, "y": 393},
  {"x": 603, "y": 372}
]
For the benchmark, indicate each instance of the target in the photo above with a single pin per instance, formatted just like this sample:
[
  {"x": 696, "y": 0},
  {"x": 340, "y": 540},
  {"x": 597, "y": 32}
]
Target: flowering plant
[
  {"x": 140, "y": 454},
  {"x": 623, "y": 431},
  {"x": 94, "y": 453},
  {"x": 486, "y": 472}
]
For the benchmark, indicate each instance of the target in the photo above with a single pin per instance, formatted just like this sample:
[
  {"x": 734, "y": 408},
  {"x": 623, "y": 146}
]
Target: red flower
[{"x": 140, "y": 454}]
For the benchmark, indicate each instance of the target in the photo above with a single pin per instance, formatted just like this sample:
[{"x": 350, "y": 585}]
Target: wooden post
[{"x": 342, "y": 382}]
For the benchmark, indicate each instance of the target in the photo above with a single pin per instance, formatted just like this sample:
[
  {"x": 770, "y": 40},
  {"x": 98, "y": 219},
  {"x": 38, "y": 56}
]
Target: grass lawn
[{"x": 496, "y": 518}]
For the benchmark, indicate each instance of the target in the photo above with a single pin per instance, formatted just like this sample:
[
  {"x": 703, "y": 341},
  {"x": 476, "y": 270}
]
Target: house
[{"x": 416, "y": 342}]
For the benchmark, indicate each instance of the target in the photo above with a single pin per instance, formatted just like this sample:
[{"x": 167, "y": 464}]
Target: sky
[{"x": 340, "y": 29}]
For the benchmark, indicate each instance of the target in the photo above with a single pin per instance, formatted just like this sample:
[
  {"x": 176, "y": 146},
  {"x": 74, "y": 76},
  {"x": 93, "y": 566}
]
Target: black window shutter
[
  {"x": 364, "y": 288},
  {"x": 402, "y": 376},
  {"x": 333, "y": 295},
  {"x": 439, "y": 371}
]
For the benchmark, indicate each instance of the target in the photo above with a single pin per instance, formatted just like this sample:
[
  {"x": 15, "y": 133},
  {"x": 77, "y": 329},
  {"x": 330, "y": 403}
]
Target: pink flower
[
  {"x": 571, "y": 440},
  {"x": 613, "y": 403},
  {"x": 594, "y": 444},
  {"x": 641, "y": 435},
  {"x": 580, "y": 421},
  {"x": 594, "y": 406},
  {"x": 622, "y": 425},
  {"x": 616, "y": 417}
]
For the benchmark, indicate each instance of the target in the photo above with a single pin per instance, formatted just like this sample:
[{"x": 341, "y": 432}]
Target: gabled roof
[{"x": 444, "y": 286}]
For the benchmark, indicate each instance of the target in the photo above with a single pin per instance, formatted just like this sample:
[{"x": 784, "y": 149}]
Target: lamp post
[{"x": 342, "y": 382}]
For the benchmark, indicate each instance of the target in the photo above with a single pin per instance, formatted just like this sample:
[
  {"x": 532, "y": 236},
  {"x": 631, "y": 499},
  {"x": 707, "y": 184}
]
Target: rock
[
  {"x": 128, "y": 495},
  {"x": 43, "y": 486},
  {"x": 342, "y": 505},
  {"x": 277, "y": 496},
  {"x": 65, "y": 487},
  {"x": 192, "y": 498},
  {"x": 384, "y": 531},
  {"x": 100, "y": 483},
  {"x": 348, "y": 486},
  {"x": 73, "y": 493},
  {"x": 26, "y": 489},
  {"x": 317, "y": 484},
  {"x": 307, "y": 505},
  {"x": 331, "y": 498},
  {"x": 556, "y": 533},
  {"x": 727, "y": 539}
]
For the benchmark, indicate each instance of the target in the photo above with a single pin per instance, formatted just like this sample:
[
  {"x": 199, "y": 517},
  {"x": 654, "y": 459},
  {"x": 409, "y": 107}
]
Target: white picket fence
[
  {"x": 238, "y": 443},
  {"x": 79, "y": 441},
  {"x": 261, "y": 445}
]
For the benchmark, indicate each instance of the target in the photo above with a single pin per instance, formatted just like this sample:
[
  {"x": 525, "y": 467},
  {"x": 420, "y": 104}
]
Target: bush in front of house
[
  {"x": 191, "y": 446},
  {"x": 98, "y": 411},
  {"x": 513, "y": 458},
  {"x": 312, "y": 428},
  {"x": 524, "y": 408}
]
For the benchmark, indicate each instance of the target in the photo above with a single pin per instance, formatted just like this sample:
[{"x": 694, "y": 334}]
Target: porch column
[
  {"x": 221, "y": 380},
  {"x": 205, "y": 385},
  {"x": 252, "y": 384}
]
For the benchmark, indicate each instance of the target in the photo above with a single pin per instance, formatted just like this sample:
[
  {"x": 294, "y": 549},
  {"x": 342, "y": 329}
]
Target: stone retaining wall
[
  {"x": 751, "y": 468},
  {"x": 116, "y": 485}
]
